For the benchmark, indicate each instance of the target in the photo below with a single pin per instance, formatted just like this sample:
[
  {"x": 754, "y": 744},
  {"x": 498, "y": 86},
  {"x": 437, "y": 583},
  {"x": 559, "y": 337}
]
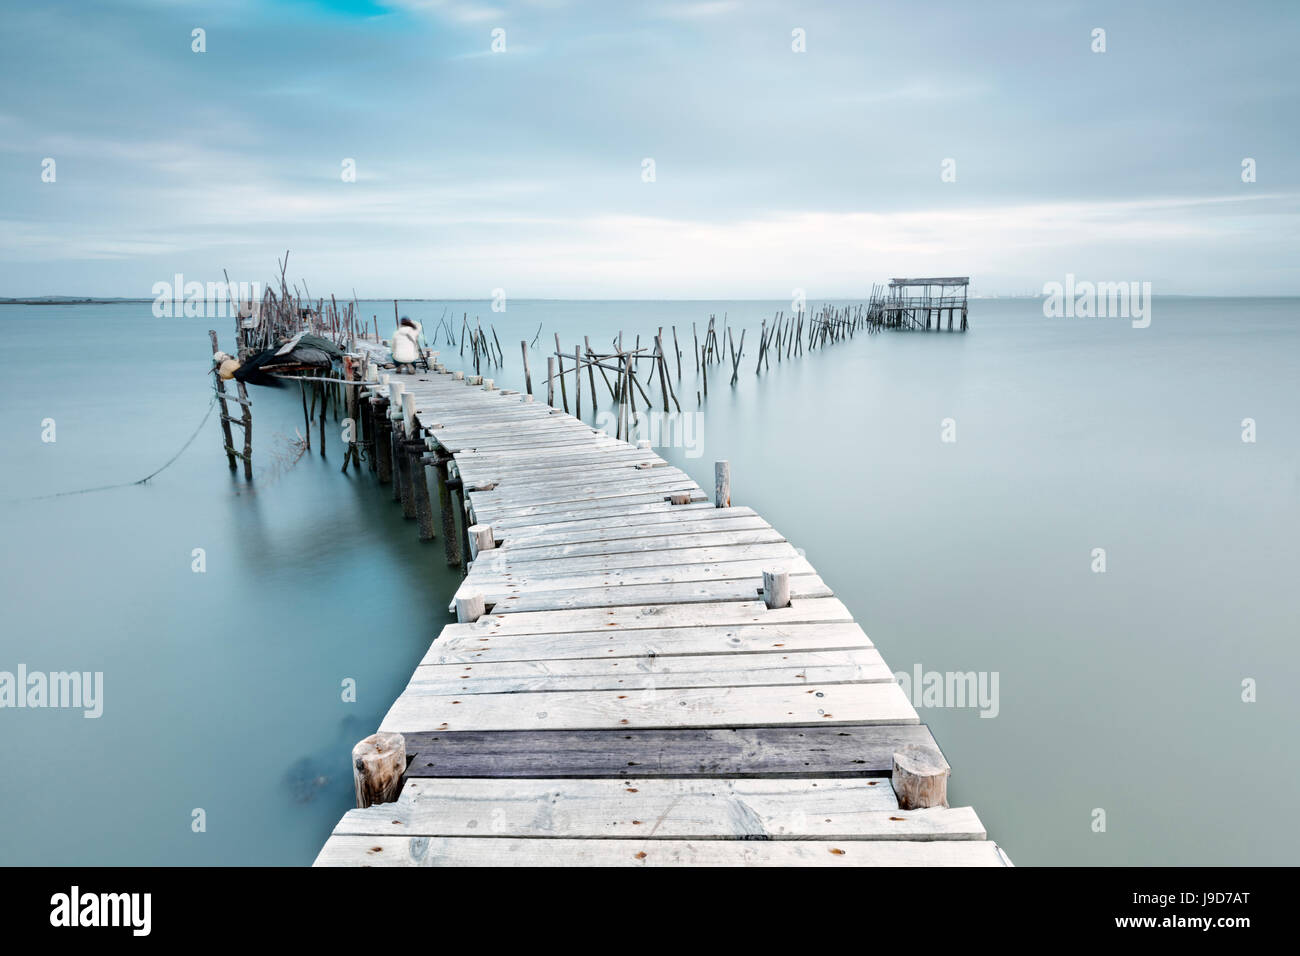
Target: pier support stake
[
  {"x": 470, "y": 608},
  {"x": 378, "y": 763},
  {"x": 480, "y": 539},
  {"x": 722, "y": 484},
  {"x": 450, "y": 539},
  {"x": 776, "y": 589},
  {"x": 420, "y": 490},
  {"x": 920, "y": 778},
  {"x": 403, "y": 485},
  {"x": 383, "y": 429}
]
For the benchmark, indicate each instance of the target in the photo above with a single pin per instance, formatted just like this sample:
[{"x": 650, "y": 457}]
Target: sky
[{"x": 525, "y": 168}]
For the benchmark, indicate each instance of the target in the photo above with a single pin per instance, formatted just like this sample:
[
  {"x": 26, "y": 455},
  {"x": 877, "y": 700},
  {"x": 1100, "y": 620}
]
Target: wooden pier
[
  {"x": 904, "y": 308},
  {"x": 641, "y": 673}
]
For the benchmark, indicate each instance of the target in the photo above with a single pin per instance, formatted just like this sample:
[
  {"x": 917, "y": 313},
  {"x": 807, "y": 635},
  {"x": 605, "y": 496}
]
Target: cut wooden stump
[
  {"x": 470, "y": 608},
  {"x": 378, "y": 763},
  {"x": 776, "y": 589},
  {"x": 920, "y": 778},
  {"x": 480, "y": 539}
]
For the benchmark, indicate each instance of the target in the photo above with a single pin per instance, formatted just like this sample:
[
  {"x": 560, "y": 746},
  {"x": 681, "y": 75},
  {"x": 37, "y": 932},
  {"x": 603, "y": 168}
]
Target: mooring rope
[{"x": 128, "y": 484}]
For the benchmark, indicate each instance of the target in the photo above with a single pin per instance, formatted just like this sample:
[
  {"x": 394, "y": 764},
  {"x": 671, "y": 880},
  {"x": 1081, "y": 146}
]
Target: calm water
[{"x": 1120, "y": 691}]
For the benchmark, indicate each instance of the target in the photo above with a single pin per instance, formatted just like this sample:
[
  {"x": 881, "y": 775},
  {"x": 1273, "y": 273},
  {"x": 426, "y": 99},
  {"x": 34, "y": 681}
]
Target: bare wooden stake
[
  {"x": 378, "y": 763},
  {"x": 528, "y": 376},
  {"x": 470, "y": 608},
  {"x": 920, "y": 778},
  {"x": 480, "y": 539},
  {"x": 776, "y": 589},
  {"x": 722, "y": 484},
  {"x": 450, "y": 539}
]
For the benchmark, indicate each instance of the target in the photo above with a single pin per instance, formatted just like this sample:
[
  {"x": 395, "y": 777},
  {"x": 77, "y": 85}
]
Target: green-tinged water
[{"x": 1121, "y": 691}]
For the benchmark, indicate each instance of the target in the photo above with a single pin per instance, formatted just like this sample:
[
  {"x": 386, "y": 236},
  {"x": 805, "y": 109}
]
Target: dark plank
[{"x": 840, "y": 751}]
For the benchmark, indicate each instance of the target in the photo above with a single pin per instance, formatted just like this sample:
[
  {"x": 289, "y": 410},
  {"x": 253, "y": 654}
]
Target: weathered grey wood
[
  {"x": 623, "y": 595},
  {"x": 491, "y": 851},
  {"x": 724, "y": 613},
  {"x": 721, "y": 670},
  {"x": 920, "y": 777},
  {"x": 658, "y": 808},
  {"x": 650, "y": 642},
  {"x": 531, "y": 578},
  {"x": 765, "y": 553},
  {"x": 657, "y": 526},
  {"x": 663, "y": 521},
  {"x": 722, "y": 484},
  {"x": 801, "y": 705},
  {"x": 841, "y": 750},
  {"x": 680, "y": 541},
  {"x": 378, "y": 762}
]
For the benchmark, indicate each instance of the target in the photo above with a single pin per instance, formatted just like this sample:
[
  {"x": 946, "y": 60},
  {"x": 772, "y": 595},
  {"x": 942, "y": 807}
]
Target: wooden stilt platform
[{"x": 621, "y": 691}]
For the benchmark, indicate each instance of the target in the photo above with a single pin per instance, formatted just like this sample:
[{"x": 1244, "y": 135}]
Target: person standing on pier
[{"x": 406, "y": 345}]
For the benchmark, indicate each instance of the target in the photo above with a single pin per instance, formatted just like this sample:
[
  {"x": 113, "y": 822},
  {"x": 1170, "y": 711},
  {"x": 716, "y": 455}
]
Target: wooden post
[
  {"x": 559, "y": 365},
  {"x": 248, "y": 429},
  {"x": 420, "y": 487},
  {"x": 378, "y": 763},
  {"x": 220, "y": 387},
  {"x": 528, "y": 376},
  {"x": 591, "y": 373},
  {"x": 320, "y": 387},
  {"x": 480, "y": 539},
  {"x": 350, "y": 453},
  {"x": 450, "y": 540},
  {"x": 920, "y": 778},
  {"x": 722, "y": 484},
  {"x": 577, "y": 384},
  {"x": 776, "y": 589},
  {"x": 470, "y": 608},
  {"x": 383, "y": 429},
  {"x": 550, "y": 380},
  {"x": 306, "y": 415},
  {"x": 404, "y": 486},
  {"x": 408, "y": 413}
]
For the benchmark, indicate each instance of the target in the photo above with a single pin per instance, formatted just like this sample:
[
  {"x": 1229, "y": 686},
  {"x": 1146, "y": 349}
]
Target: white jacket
[{"x": 406, "y": 344}]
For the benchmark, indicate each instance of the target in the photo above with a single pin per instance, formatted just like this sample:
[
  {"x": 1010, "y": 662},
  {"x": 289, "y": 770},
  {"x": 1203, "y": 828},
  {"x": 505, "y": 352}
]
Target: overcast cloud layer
[{"x": 523, "y": 170}]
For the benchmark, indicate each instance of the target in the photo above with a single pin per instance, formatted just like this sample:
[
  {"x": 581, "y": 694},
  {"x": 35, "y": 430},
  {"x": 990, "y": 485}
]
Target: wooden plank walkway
[{"x": 627, "y": 698}]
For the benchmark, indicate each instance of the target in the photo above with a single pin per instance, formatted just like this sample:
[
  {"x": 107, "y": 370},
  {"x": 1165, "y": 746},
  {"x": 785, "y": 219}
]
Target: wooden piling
[
  {"x": 776, "y": 589},
  {"x": 722, "y": 484},
  {"x": 220, "y": 388},
  {"x": 470, "y": 608},
  {"x": 404, "y": 486},
  {"x": 920, "y": 778},
  {"x": 550, "y": 380},
  {"x": 480, "y": 539},
  {"x": 450, "y": 539},
  {"x": 248, "y": 428},
  {"x": 383, "y": 440},
  {"x": 528, "y": 376},
  {"x": 378, "y": 763},
  {"x": 559, "y": 365},
  {"x": 577, "y": 384},
  {"x": 420, "y": 485}
]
